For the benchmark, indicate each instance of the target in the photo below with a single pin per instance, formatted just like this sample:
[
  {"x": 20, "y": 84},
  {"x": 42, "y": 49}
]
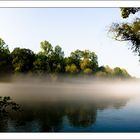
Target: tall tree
[
  {"x": 41, "y": 64},
  {"x": 75, "y": 58},
  {"x": 83, "y": 60},
  {"x": 89, "y": 61},
  {"x": 56, "y": 60},
  {"x": 5, "y": 58},
  {"x": 22, "y": 60},
  {"x": 46, "y": 47},
  {"x": 55, "y": 56}
]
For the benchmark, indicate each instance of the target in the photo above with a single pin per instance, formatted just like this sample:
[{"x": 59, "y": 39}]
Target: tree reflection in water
[
  {"x": 82, "y": 115},
  {"x": 49, "y": 116},
  {"x": 6, "y": 108}
]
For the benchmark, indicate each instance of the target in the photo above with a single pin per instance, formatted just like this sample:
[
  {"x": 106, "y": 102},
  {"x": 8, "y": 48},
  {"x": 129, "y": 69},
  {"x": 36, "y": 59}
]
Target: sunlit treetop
[{"x": 3, "y": 46}]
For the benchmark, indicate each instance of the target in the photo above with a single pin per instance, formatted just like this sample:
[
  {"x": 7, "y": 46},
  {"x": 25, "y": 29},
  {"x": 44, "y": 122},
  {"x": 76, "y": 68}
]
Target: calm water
[{"x": 72, "y": 106}]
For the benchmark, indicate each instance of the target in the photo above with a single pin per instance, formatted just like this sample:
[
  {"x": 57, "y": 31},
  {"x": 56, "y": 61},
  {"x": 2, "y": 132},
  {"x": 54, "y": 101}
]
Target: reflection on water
[
  {"x": 68, "y": 107},
  {"x": 6, "y": 108},
  {"x": 49, "y": 117}
]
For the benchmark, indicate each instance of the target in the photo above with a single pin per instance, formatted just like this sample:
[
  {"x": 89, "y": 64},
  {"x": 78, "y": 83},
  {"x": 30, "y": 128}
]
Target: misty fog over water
[{"x": 72, "y": 105}]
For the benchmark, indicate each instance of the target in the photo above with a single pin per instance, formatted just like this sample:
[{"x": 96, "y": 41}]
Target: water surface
[{"x": 72, "y": 106}]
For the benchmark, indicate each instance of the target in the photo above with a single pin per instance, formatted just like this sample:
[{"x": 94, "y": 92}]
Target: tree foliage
[
  {"x": 46, "y": 47},
  {"x": 56, "y": 60},
  {"x": 120, "y": 72},
  {"x": 41, "y": 65},
  {"x": 5, "y": 58},
  {"x": 83, "y": 61},
  {"x": 51, "y": 60},
  {"x": 22, "y": 60},
  {"x": 129, "y": 32},
  {"x": 125, "y": 12},
  {"x": 71, "y": 68},
  {"x": 106, "y": 71}
]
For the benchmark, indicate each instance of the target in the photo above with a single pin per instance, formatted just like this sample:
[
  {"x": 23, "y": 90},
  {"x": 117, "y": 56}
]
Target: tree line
[{"x": 51, "y": 60}]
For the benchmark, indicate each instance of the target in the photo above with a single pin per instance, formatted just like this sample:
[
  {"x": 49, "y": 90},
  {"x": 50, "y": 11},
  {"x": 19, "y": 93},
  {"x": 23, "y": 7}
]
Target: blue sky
[{"x": 71, "y": 28}]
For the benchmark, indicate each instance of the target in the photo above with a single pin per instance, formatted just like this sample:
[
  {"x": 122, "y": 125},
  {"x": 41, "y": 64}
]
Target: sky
[{"x": 71, "y": 28}]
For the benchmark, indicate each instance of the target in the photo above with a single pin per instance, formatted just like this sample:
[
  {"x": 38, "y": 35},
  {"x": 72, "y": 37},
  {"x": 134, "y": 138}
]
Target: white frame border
[
  {"x": 66, "y": 4},
  {"x": 72, "y": 4}
]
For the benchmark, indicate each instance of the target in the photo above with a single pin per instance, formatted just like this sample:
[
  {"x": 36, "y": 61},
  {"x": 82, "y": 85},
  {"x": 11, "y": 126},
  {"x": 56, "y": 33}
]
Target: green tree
[
  {"x": 46, "y": 47},
  {"x": 84, "y": 61},
  {"x": 71, "y": 68},
  {"x": 56, "y": 60},
  {"x": 5, "y": 58},
  {"x": 121, "y": 73},
  {"x": 129, "y": 32},
  {"x": 54, "y": 57},
  {"x": 41, "y": 65},
  {"x": 89, "y": 61},
  {"x": 22, "y": 60},
  {"x": 104, "y": 72},
  {"x": 75, "y": 58},
  {"x": 107, "y": 72}
]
